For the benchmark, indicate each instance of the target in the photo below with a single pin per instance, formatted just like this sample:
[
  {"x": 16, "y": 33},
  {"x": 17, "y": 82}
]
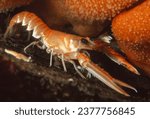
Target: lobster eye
[{"x": 84, "y": 41}]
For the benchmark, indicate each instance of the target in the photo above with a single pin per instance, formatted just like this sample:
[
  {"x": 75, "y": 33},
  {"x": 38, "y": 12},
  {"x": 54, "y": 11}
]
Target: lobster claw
[
  {"x": 103, "y": 76},
  {"x": 114, "y": 56}
]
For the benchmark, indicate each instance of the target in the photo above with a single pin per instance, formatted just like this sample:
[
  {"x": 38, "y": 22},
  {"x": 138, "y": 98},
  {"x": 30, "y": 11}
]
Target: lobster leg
[
  {"x": 31, "y": 44},
  {"x": 63, "y": 63},
  {"x": 75, "y": 67},
  {"x": 114, "y": 56},
  {"x": 9, "y": 29},
  {"x": 51, "y": 58}
]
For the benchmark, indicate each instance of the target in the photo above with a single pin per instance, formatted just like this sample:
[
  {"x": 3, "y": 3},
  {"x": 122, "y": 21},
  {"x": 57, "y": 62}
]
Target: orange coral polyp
[
  {"x": 95, "y": 10},
  {"x": 6, "y": 5},
  {"x": 132, "y": 31}
]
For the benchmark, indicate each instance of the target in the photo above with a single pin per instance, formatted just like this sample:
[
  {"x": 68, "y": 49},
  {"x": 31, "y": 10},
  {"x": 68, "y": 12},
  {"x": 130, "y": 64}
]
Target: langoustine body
[{"x": 69, "y": 47}]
